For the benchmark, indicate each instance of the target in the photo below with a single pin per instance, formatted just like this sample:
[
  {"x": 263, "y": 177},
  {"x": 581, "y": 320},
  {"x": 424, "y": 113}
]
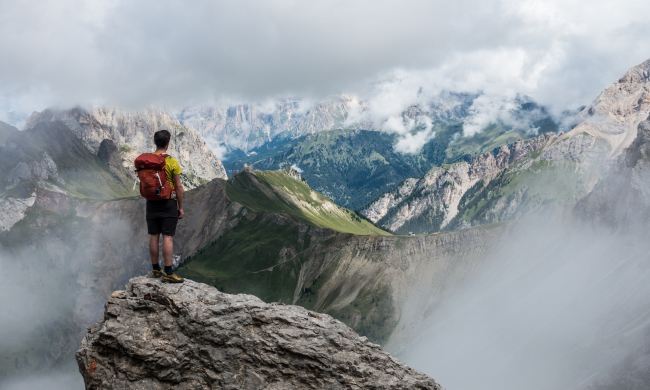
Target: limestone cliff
[
  {"x": 432, "y": 202},
  {"x": 132, "y": 133},
  {"x": 191, "y": 336}
]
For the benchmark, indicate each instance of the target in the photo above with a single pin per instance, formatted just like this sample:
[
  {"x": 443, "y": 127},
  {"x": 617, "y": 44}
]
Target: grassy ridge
[
  {"x": 264, "y": 256},
  {"x": 277, "y": 192},
  {"x": 249, "y": 259},
  {"x": 265, "y": 252}
]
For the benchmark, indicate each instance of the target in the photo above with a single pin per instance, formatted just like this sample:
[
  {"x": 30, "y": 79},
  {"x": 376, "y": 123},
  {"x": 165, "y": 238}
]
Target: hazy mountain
[
  {"x": 90, "y": 154},
  {"x": 132, "y": 134},
  {"x": 351, "y": 166},
  {"x": 355, "y": 167},
  {"x": 6, "y": 131},
  {"x": 248, "y": 126},
  {"x": 556, "y": 170}
]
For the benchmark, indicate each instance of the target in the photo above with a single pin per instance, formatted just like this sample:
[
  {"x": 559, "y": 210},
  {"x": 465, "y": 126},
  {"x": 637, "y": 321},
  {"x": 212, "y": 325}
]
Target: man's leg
[
  {"x": 168, "y": 250},
  {"x": 153, "y": 248},
  {"x": 168, "y": 230}
]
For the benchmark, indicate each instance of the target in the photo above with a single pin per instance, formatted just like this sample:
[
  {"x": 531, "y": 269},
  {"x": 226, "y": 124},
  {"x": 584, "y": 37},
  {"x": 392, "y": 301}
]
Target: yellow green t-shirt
[{"x": 172, "y": 168}]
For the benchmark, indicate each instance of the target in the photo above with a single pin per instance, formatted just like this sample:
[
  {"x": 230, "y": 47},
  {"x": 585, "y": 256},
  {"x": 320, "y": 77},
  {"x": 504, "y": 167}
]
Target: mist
[
  {"x": 557, "y": 304},
  {"x": 57, "y": 281}
]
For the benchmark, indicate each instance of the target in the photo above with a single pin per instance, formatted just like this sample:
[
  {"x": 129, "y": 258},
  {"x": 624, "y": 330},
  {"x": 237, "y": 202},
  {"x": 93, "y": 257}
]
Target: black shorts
[{"x": 162, "y": 216}]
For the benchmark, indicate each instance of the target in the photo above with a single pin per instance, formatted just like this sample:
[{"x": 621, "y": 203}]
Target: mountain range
[
  {"x": 356, "y": 166},
  {"x": 247, "y": 126},
  {"x": 514, "y": 178},
  {"x": 281, "y": 234}
]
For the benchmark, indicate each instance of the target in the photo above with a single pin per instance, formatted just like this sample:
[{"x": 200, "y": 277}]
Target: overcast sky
[{"x": 136, "y": 53}]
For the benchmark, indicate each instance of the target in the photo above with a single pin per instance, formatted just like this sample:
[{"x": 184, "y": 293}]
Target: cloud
[
  {"x": 134, "y": 54},
  {"x": 489, "y": 109},
  {"x": 412, "y": 143},
  {"x": 556, "y": 305}
]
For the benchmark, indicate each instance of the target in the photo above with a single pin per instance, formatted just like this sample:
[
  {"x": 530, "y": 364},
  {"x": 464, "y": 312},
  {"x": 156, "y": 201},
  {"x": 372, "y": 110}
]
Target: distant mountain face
[
  {"x": 354, "y": 167},
  {"x": 524, "y": 176},
  {"x": 132, "y": 134},
  {"x": 248, "y": 126},
  {"x": 90, "y": 155},
  {"x": 481, "y": 190}
]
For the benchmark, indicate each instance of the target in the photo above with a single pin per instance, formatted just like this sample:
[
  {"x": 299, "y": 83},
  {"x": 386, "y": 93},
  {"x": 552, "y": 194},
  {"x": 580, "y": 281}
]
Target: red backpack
[{"x": 150, "y": 168}]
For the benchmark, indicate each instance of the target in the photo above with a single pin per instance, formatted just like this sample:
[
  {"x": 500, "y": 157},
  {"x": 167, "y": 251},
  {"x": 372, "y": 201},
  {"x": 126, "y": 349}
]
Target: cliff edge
[{"x": 191, "y": 336}]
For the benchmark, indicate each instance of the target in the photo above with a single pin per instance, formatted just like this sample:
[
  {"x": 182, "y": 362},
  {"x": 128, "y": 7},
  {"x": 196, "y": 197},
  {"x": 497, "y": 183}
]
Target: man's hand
[{"x": 180, "y": 194}]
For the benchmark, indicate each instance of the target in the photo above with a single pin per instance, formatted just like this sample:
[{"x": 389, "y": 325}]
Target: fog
[
  {"x": 558, "y": 304},
  {"x": 56, "y": 283},
  {"x": 65, "y": 377}
]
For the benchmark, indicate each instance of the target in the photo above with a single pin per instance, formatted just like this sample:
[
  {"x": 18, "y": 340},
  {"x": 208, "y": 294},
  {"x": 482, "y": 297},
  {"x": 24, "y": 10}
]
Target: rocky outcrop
[
  {"x": 378, "y": 209},
  {"x": 191, "y": 336},
  {"x": 107, "y": 152}
]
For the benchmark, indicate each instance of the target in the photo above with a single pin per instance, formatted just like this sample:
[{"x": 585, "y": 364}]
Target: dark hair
[{"x": 161, "y": 139}]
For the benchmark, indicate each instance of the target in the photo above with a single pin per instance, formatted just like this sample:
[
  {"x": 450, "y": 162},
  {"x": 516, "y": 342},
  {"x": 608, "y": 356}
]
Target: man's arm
[{"x": 180, "y": 193}]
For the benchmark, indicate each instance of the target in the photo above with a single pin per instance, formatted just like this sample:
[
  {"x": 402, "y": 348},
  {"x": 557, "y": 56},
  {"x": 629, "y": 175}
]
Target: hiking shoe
[
  {"x": 171, "y": 278},
  {"x": 156, "y": 274}
]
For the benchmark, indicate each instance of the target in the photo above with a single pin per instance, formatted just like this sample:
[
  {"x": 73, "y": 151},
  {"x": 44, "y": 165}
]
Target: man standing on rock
[{"x": 160, "y": 184}]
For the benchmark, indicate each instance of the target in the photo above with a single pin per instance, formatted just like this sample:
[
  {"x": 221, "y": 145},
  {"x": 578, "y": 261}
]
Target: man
[{"x": 163, "y": 215}]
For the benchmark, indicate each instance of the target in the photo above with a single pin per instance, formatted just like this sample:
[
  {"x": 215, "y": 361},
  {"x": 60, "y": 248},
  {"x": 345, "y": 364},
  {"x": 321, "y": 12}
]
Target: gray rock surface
[{"x": 191, "y": 336}]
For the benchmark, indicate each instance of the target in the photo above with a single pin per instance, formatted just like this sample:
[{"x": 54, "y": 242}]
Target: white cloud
[
  {"x": 129, "y": 53},
  {"x": 413, "y": 142},
  {"x": 486, "y": 110}
]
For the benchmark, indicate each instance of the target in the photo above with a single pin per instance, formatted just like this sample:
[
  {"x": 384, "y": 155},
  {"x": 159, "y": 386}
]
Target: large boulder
[{"x": 191, "y": 336}]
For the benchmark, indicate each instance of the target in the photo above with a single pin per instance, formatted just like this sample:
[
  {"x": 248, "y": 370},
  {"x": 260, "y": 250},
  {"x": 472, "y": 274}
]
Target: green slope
[
  {"x": 272, "y": 246},
  {"x": 249, "y": 259},
  {"x": 278, "y": 192}
]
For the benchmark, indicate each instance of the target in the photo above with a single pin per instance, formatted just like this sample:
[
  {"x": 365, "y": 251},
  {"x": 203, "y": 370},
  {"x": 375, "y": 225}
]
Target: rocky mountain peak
[
  {"x": 615, "y": 114},
  {"x": 637, "y": 74},
  {"x": 191, "y": 336}
]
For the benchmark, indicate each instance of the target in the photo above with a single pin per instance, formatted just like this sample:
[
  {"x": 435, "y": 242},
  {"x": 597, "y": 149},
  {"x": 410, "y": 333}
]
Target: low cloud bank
[{"x": 558, "y": 304}]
